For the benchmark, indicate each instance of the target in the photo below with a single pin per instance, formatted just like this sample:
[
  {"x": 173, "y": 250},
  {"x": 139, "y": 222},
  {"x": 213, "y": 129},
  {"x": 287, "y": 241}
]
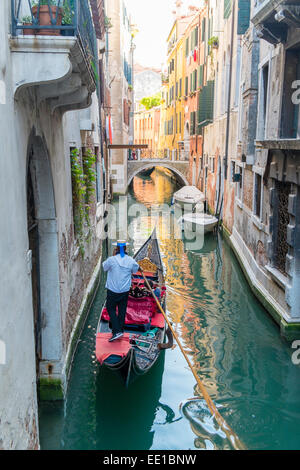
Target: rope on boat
[{"x": 232, "y": 437}]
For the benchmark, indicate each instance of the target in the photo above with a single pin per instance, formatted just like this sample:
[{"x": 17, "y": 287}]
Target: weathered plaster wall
[
  {"x": 66, "y": 274},
  {"x": 18, "y": 414}
]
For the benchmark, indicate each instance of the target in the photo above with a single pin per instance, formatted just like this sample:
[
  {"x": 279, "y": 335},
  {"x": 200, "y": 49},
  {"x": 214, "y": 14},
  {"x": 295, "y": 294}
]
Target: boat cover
[
  {"x": 158, "y": 320},
  {"x": 105, "y": 349},
  {"x": 139, "y": 311}
]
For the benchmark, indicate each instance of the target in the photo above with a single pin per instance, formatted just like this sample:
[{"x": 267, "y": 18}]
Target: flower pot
[
  {"x": 28, "y": 32},
  {"x": 45, "y": 19}
]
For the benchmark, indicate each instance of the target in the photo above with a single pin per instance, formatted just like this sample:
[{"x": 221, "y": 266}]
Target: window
[
  {"x": 281, "y": 222},
  {"x": 232, "y": 170},
  {"x": 206, "y": 104},
  {"x": 126, "y": 111},
  {"x": 239, "y": 186},
  {"x": 186, "y": 86},
  {"x": 193, "y": 123},
  {"x": 290, "y": 122},
  {"x": 227, "y": 8},
  {"x": 195, "y": 80},
  {"x": 203, "y": 29},
  {"x": 257, "y": 206},
  {"x": 187, "y": 50},
  {"x": 200, "y": 75},
  {"x": 265, "y": 84},
  {"x": 243, "y": 16}
]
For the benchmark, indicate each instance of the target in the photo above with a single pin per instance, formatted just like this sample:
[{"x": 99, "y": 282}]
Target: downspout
[
  {"x": 229, "y": 94},
  {"x": 219, "y": 210}
]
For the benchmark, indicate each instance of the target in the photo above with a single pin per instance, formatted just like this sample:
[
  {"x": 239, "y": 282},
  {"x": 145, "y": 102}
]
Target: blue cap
[{"x": 122, "y": 246}]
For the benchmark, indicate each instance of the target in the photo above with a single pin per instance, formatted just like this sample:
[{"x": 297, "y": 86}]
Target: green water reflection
[{"x": 234, "y": 345}]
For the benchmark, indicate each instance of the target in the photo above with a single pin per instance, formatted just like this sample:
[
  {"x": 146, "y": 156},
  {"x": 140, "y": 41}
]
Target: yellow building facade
[{"x": 172, "y": 112}]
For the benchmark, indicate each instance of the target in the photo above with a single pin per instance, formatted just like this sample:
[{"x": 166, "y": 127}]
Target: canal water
[{"x": 234, "y": 345}]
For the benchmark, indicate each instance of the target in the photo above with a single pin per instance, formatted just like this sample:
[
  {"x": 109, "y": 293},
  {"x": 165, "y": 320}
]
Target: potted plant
[
  {"x": 214, "y": 42},
  {"x": 27, "y": 21},
  {"x": 68, "y": 18},
  {"x": 44, "y": 18}
]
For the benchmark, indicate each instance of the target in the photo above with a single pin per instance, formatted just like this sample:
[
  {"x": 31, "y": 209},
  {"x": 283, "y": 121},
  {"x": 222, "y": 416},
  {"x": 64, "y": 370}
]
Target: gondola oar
[{"x": 232, "y": 437}]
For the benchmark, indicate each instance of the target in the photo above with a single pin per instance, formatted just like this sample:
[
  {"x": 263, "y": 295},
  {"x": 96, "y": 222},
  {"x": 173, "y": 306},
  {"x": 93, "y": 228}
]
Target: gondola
[{"x": 145, "y": 327}]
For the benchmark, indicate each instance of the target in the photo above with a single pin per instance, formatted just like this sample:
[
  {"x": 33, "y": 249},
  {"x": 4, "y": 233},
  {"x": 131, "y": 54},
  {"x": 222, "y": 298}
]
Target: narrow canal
[{"x": 234, "y": 345}]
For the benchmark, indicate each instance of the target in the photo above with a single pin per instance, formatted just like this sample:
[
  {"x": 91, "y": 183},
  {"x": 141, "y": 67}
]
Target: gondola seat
[
  {"x": 158, "y": 320},
  {"x": 105, "y": 349}
]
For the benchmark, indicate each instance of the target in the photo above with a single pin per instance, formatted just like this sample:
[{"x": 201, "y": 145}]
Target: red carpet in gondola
[{"x": 104, "y": 348}]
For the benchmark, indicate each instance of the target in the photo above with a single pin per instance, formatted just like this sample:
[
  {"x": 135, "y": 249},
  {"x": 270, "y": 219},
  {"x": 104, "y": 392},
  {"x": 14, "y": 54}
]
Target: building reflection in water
[{"x": 185, "y": 272}]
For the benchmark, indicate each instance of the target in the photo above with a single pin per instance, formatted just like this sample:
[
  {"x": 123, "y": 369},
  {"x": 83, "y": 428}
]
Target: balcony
[
  {"x": 54, "y": 49},
  {"x": 272, "y": 19}
]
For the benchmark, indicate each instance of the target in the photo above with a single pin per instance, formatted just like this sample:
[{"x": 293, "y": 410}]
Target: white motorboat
[
  {"x": 206, "y": 221},
  {"x": 188, "y": 195}
]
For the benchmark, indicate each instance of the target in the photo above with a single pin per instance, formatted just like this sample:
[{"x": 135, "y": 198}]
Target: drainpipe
[{"x": 229, "y": 92}]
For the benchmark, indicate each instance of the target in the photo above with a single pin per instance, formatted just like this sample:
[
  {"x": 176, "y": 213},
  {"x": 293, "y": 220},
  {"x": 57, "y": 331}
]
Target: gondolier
[
  {"x": 135, "y": 353},
  {"x": 119, "y": 268}
]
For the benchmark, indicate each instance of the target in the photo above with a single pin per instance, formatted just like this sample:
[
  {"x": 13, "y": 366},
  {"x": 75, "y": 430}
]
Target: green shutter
[
  {"x": 227, "y": 8},
  {"x": 187, "y": 47},
  {"x": 206, "y": 105},
  {"x": 201, "y": 74},
  {"x": 192, "y": 123},
  {"x": 196, "y": 35},
  {"x": 203, "y": 29},
  {"x": 243, "y": 16}
]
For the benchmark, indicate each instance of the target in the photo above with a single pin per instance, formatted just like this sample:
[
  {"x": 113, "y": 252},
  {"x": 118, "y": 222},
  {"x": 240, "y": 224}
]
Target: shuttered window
[
  {"x": 187, "y": 51},
  {"x": 200, "y": 76},
  {"x": 196, "y": 36},
  {"x": 193, "y": 123},
  {"x": 227, "y": 8},
  {"x": 206, "y": 105},
  {"x": 186, "y": 86},
  {"x": 243, "y": 16},
  {"x": 203, "y": 29}
]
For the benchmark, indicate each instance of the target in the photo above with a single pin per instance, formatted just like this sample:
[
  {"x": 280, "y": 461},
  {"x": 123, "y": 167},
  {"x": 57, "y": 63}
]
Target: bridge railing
[{"x": 165, "y": 154}]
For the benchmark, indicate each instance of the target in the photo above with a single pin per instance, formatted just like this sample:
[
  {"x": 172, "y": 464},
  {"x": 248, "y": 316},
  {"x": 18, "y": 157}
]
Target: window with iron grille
[{"x": 282, "y": 219}]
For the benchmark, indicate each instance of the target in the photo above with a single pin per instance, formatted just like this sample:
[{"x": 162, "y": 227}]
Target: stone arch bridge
[{"x": 180, "y": 168}]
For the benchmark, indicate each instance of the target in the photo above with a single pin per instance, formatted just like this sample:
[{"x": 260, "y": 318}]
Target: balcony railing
[{"x": 57, "y": 18}]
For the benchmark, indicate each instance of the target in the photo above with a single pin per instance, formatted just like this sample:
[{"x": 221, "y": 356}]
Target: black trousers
[{"x": 112, "y": 302}]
